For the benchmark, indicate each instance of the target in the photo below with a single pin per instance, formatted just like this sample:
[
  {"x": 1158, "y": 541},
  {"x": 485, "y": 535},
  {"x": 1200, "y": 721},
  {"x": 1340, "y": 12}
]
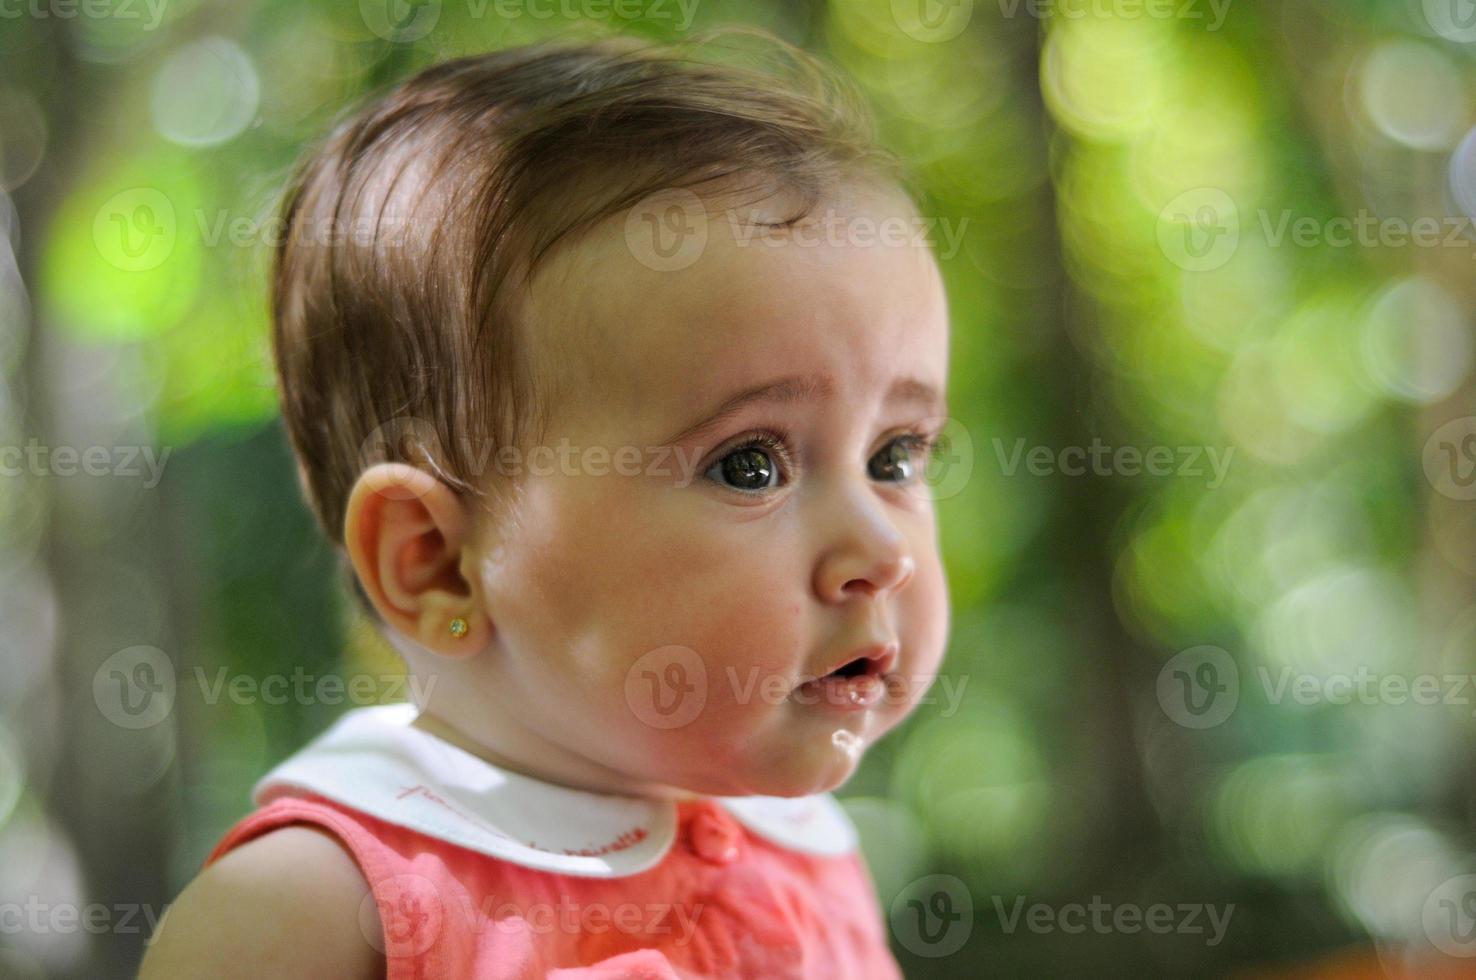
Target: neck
[{"x": 520, "y": 752}]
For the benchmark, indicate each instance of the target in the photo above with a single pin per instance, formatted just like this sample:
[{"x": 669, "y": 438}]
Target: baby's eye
[
  {"x": 749, "y": 467},
  {"x": 899, "y": 460}
]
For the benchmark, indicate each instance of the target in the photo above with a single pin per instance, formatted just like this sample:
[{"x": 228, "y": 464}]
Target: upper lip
[{"x": 880, "y": 657}]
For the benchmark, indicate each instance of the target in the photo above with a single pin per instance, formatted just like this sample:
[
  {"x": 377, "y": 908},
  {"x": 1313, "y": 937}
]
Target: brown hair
[{"x": 395, "y": 333}]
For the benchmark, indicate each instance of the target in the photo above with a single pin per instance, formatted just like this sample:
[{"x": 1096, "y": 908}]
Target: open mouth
[
  {"x": 860, "y": 667},
  {"x": 857, "y": 683},
  {"x": 873, "y": 663}
]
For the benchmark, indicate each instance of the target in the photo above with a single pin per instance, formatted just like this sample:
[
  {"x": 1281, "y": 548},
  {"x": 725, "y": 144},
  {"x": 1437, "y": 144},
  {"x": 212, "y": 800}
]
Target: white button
[{"x": 714, "y": 836}]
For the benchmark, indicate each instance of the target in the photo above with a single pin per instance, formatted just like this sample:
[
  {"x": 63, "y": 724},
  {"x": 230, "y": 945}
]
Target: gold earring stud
[{"x": 458, "y": 627}]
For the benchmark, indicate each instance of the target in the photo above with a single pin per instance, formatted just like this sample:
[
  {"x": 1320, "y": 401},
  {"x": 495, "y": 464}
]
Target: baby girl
[{"x": 613, "y": 374}]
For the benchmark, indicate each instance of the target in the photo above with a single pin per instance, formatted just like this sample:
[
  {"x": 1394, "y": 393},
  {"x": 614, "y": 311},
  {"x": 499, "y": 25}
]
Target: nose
[{"x": 869, "y": 557}]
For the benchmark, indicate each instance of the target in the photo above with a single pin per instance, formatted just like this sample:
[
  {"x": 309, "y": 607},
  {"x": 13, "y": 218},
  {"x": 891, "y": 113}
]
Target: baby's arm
[{"x": 283, "y": 905}]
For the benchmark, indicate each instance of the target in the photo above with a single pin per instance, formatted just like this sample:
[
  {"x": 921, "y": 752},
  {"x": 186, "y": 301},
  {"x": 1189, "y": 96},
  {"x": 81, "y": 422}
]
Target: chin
[
  {"x": 795, "y": 775},
  {"x": 785, "y": 760}
]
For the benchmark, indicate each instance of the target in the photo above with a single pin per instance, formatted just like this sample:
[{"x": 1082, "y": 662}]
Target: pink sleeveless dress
[{"x": 475, "y": 871}]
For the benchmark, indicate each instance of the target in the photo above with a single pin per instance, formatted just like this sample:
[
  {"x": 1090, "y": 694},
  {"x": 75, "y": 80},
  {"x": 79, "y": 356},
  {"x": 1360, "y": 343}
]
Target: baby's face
[{"x": 658, "y": 609}]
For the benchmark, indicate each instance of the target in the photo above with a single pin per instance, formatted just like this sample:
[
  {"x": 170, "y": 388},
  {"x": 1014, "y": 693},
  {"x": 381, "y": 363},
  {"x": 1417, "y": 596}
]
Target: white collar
[{"x": 374, "y": 760}]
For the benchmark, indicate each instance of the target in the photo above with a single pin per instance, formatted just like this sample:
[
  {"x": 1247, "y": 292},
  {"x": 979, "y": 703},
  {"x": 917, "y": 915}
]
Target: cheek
[
  {"x": 614, "y": 573},
  {"x": 751, "y": 633},
  {"x": 746, "y": 639},
  {"x": 748, "y": 633},
  {"x": 926, "y": 621}
]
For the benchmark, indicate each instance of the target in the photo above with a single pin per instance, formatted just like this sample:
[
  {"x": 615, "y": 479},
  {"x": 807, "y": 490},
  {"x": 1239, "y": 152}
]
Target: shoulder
[{"x": 285, "y": 904}]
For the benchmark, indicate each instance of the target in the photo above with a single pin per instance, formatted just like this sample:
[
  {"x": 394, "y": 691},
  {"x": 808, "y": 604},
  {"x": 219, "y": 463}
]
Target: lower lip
[{"x": 843, "y": 693}]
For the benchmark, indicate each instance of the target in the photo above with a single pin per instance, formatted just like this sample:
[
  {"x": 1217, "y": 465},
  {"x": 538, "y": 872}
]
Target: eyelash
[{"x": 776, "y": 441}]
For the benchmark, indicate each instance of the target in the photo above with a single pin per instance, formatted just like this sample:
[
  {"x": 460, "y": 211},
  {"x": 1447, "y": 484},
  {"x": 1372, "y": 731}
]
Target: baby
[{"x": 613, "y": 372}]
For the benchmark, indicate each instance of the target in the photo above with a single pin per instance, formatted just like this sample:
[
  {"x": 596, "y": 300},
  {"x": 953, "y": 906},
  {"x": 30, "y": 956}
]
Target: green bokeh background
[{"x": 1120, "y": 172}]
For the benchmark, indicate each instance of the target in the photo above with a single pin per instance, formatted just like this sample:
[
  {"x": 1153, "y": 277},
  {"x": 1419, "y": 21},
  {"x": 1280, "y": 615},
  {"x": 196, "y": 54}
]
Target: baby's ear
[{"x": 408, "y": 535}]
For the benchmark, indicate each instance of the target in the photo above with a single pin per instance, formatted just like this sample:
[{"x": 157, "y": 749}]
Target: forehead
[{"x": 853, "y": 291}]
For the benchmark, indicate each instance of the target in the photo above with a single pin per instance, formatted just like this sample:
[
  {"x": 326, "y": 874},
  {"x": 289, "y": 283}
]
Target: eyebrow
[{"x": 806, "y": 388}]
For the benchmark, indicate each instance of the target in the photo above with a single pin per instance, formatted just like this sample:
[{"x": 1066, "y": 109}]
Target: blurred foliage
[{"x": 1129, "y": 178}]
